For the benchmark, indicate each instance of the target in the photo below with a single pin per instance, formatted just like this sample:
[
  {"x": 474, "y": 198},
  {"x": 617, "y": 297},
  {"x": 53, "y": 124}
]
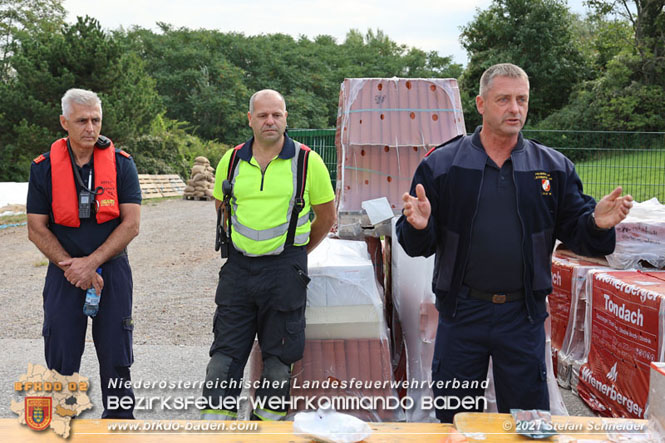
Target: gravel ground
[
  {"x": 175, "y": 272},
  {"x": 174, "y": 267}
]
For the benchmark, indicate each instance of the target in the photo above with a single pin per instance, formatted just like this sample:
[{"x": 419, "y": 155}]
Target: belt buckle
[{"x": 498, "y": 298}]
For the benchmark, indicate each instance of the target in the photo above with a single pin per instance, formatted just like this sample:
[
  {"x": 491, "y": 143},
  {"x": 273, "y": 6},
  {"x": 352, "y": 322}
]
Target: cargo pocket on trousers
[
  {"x": 127, "y": 352},
  {"x": 290, "y": 290},
  {"x": 542, "y": 371},
  {"x": 46, "y": 333},
  {"x": 301, "y": 275},
  {"x": 293, "y": 341}
]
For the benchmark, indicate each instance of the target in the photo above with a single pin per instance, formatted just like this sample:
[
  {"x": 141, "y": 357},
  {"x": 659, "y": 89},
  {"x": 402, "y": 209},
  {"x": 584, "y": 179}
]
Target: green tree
[
  {"x": 195, "y": 80},
  {"x": 206, "y": 77},
  {"x": 533, "y": 34},
  {"x": 44, "y": 66},
  {"x": 628, "y": 39},
  {"x": 24, "y": 16},
  {"x": 647, "y": 19}
]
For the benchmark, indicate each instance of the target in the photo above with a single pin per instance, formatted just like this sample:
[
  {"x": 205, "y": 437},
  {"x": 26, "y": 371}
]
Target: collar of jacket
[
  {"x": 287, "y": 152},
  {"x": 476, "y": 143}
]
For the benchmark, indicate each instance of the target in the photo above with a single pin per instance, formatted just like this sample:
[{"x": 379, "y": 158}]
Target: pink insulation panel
[{"x": 384, "y": 128}]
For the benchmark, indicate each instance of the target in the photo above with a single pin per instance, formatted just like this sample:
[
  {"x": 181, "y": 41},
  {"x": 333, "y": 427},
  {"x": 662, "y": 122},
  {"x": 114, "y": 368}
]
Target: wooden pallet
[
  {"x": 192, "y": 197},
  {"x": 166, "y": 185}
]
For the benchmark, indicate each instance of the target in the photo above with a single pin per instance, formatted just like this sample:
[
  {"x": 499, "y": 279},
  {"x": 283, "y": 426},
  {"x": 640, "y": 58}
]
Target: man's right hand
[{"x": 417, "y": 209}]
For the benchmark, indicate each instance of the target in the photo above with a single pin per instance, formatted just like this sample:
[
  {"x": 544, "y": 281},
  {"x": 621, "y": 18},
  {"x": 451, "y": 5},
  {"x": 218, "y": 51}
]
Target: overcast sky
[{"x": 425, "y": 24}]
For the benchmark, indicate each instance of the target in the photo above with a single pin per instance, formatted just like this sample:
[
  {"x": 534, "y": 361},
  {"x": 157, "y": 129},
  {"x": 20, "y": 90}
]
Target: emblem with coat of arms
[{"x": 38, "y": 412}]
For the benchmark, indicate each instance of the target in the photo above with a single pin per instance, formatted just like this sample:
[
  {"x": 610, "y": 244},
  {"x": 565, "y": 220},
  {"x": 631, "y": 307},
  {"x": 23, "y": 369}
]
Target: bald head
[{"x": 263, "y": 93}]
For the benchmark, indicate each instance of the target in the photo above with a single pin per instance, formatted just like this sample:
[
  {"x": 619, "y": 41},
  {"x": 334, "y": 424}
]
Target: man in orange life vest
[{"x": 84, "y": 207}]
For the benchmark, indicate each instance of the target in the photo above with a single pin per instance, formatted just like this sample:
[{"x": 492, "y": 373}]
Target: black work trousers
[{"x": 262, "y": 296}]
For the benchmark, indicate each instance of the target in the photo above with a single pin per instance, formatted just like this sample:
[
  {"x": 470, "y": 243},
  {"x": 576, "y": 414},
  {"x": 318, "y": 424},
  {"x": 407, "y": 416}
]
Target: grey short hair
[
  {"x": 253, "y": 97},
  {"x": 500, "y": 70},
  {"x": 80, "y": 97}
]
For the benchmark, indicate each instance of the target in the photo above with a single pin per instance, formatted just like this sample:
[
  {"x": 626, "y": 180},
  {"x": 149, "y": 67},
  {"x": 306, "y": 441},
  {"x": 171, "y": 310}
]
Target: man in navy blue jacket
[{"x": 491, "y": 206}]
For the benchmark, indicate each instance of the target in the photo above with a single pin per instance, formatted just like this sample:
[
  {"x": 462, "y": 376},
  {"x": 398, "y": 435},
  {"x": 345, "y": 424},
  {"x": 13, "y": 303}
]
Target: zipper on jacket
[
  {"x": 263, "y": 173},
  {"x": 519, "y": 216},
  {"x": 473, "y": 219}
]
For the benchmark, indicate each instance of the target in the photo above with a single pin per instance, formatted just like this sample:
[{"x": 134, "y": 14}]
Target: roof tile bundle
[{"x": 384, "y": 128}]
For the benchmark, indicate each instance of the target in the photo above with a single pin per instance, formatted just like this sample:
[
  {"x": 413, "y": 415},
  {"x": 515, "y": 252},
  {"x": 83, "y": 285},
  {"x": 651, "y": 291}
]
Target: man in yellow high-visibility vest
[{"x": 263, "y": 285}]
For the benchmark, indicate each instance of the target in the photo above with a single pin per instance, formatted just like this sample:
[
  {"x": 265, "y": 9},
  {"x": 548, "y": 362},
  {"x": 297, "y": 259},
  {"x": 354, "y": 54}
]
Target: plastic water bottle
[{"x": 91, "y": 306}]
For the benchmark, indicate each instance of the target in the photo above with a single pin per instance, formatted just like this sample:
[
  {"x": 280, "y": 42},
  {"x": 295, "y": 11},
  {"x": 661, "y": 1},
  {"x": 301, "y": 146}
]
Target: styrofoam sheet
[{"x": 352, "y": 321}]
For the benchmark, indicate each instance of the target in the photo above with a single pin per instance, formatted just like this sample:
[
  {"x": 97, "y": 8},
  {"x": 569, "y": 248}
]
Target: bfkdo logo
[
  {"x": 38, "y": 412},
  {"x": 49, "y": 400}
]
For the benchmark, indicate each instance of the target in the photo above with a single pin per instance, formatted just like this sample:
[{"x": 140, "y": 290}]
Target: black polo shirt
[
  {"x": 84, "y": 240},
  {"x": 495, "y": 262}
]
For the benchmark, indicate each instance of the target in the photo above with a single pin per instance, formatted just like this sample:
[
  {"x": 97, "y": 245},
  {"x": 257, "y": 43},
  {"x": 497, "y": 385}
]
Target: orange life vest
[{"x": 65, "y": 199}]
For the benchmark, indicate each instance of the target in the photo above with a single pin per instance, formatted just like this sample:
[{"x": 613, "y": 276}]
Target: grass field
[{"x": 640, "y": 173}]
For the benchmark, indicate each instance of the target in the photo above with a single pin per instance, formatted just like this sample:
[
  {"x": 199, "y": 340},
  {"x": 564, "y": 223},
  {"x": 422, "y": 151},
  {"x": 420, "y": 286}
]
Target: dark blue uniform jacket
[{"x": 550, "y": 205}]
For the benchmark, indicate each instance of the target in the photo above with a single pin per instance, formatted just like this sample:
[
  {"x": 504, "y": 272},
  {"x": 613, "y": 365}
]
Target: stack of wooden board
[{"x": 154, "y": 186}]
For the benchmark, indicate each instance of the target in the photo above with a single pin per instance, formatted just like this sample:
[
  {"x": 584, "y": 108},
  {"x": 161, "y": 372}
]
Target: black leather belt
[
  {"x": 122, "y": 253},
  {"x": 496, "y": 298}
]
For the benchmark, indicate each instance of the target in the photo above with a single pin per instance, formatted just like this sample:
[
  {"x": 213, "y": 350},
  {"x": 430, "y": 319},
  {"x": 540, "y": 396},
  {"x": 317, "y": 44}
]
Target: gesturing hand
[
  {"x": 417, "y": 209},
  {"x": 612, "y": 208}
]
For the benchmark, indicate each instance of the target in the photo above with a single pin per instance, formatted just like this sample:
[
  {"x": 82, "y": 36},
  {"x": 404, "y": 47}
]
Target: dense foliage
[{"x": 173, "y": 94}]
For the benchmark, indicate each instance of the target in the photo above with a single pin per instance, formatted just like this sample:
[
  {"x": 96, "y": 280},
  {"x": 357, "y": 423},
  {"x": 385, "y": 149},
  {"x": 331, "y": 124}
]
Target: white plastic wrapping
[
  {"x": 641, "y": 237},
  {"x": 343, "y": 297},
  {"x": 656, "y": 409},
  {"x": 569, "y": 277},
  {"x": 413, "y": 300},
  {"x": 331, "y": 426}
]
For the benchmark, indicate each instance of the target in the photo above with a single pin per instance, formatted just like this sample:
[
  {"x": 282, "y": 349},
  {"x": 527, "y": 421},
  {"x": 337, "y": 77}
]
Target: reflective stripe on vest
[
  {"x": 218, "y": 414},
  {"x": 64, "y": 202},
  {"x": 269, "y": 415},
  {"x": 277, "y": 231}
]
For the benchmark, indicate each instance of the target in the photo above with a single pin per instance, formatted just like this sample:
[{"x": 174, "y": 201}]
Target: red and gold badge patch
[{"x": 38, "y": 412}]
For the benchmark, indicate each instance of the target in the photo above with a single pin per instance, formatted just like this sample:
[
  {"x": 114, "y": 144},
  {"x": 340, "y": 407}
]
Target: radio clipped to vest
[{"x": 223, "y": 237}]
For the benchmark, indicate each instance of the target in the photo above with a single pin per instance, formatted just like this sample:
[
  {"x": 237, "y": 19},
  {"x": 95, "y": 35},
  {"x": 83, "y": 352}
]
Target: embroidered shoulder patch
[{"x": 39, "y": 159}]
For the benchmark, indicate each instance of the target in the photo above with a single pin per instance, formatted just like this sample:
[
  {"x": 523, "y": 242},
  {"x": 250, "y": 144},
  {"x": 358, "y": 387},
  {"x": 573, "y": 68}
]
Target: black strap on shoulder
[
  {"x": 233, "y": 163},
  {"x": 299, "y": 204}
]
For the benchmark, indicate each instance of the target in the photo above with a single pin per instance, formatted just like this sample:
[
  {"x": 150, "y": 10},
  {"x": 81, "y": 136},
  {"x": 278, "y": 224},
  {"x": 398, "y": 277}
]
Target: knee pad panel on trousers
[
  {"x": 275, "y": 370},
  {"x": 220, "y": 371},
  {"x": 218, "y": 367}
]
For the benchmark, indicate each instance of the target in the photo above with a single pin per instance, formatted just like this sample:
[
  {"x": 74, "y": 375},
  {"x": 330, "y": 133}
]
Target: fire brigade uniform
[
  {"x": 493, "y": 231},
  {"x": 64, "y": 322},
  {"x": 262, "y": 286}
]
